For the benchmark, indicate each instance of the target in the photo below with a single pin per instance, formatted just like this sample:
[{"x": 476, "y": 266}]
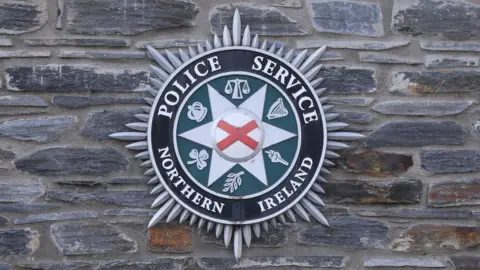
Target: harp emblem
[{"x": 277, "y": 110}]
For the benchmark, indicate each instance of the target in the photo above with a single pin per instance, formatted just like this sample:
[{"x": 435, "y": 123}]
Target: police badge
[{"x": 236, "y": 138}]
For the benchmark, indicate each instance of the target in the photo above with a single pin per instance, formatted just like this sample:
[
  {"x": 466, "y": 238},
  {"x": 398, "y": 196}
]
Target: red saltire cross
[{"x": 237, "y": 134}]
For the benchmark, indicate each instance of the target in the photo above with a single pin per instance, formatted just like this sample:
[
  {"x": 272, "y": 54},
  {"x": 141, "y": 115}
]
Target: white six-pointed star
[{"x": 220, "y": 162}]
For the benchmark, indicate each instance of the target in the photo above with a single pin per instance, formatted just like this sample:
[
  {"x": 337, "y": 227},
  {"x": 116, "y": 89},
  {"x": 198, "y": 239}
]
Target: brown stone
[
  {"x": 456, "y": 193},
  {"x": 172, "y": 238},
  {"x": 437, "y": 237},
  {"x": 377, "y": 163}
]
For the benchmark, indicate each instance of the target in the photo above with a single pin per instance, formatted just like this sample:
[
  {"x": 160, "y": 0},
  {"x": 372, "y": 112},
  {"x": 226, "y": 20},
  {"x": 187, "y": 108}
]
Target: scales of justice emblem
[{"x": 237, "y": 136}]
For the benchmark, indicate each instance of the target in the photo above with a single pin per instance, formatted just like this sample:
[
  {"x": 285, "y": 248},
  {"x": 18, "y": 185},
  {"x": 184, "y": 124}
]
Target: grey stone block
[
  {"x": 129, "y": 180},
  {"x": 23, "y": 100},
  {"x": 97, "y": 17},
  {"x": 19, "y": 17},
  {"x": 422, "y": 108},
  {"x": 455, "y": 20},
  {"x": 258, "y": 262},
  {"x": 351, "y": 101},
  {"x": 100, "y": 125},
  {"x": 3, "y": 222},
  {"x": 133, "y": 198},
  {"x": 79, "y": 102},
  {"x": 287, "y": 3},
  {"x": 18, "y": 242},
  {"x": 451, "y": 161},
  {"x": 6, "y": 155},
  {"x": 403, "y": 262},
  {"x": 6, "y": 42},
  {"x": 263, "y": 20},
  {"x": 413, "y": 213},
  {"x": 56, "y": 265},
  {"x": 445, "y": 61},
  {"x": 353, "y": 45},
  {"x": 454, "y": 193},
  {"x": 41, "y": 130},
  {"x": 383, "y": 58},
  {"x": 355, "y": 117},
  {"x": 76, "y": 238},
  {"x": 465, "y": 262},
  {"x": 26, "y": 208},
  {"x": 65, "y": 78},
  {"x": 450, "y": 46},
  {"x": 70, "y": 161},
  {"x": 87, "y": 42},
  {"x": 416, "y": 133},
  {"x": 129, "y": 212},
  {"x": 349, "y": 80},
  {"x": 168, "y": 43},
  {"x": 101, "y": 55},
  {"x": 178, "y": 263},
  {"x": 21, "y": 193},
  {"x": 347, "y": 17},
  {"x": 348, "y": 232},
  {"x": 25, "y": 54},
  {"x": 55, "y": 217}
]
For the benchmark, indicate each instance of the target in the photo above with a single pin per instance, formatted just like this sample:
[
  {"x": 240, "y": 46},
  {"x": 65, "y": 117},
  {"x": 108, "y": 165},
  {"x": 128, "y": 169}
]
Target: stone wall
[{"x": 403, "y": 72}]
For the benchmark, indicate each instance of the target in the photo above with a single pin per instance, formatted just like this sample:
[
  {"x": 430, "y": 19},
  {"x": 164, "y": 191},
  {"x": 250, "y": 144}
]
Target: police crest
[{"x": 236, "y": 136}]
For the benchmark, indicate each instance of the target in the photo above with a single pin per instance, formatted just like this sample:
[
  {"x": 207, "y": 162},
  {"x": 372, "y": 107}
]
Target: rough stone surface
[
  {"x": 168, "y": 43},
  {"x": 18, "y": 17},
  {"x": 63, "y": 78},
  {"x": 263, "y": 20},
  {"x": 6, "y": 42},
  {"x": 376, "y": 163},
  {"x": 127, "y": 18},
  {"x": 354, "y": 117},
  {"x": 171, "y": 238},
  {"x": 368, "y": 192},
  {"x": 451, "y": 161},
  {"x": 437, "y": 237},
  {"x": 455, "y": 20},
  {"x": 24, "y": 54},
  {"x": 347, "y": 17},
  {"x": 129, "y": 212},
  {"x": 450, "y": 46},
  {"x": 23, "y": 100},
  {"x": 16, "y": 111},
  {"x": 18, "y": 242},
  {"x": 409, "y": 213},
  {"x": 4, "y": 266},
  {"x": 458, "y": 193},
  {"x": 384, "y": 58},
  {"x": 446, "y": 61},
  {"x": 69, "y": 160},
  {"x": 79, "y": 102},
  {"x": 57, "y": 265},
  {"x": 76, "y": 238},
  {"x": 22, "y": 193},
  {"x": 421, "y": 108},
  {"x": 90, "y": 42},
  {"x": 41, "y": 130},
  {"x": 6, "y": 155},
  {"x": 465, "y": 262},
  {"x": 100, "y": 125},
  {"x": 26, "y": 208},
  {"x": 3, "y": 222},
  {"x": 134, "y": 198},
  {"x": 435, "y": 82},
  {"x": 352, "y": 44},
  {"x": 287, "y": 3},
  {"x": 351, "y": 101},
  {"x": 347, "y": 232},
  {"x": 101, "y": 55},
  {"x": 416, "y": 133},
  {"x": 404, "y": 262},
  {"x": 349, "y": 80},
  {"x": 178, "y": 263},
  {"x": 55, "y": 217},
  {"x": 299, "y": 262},
  {"x": 133, "y": 181}
]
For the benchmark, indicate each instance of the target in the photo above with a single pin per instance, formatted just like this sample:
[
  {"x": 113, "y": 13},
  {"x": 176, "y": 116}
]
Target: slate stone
[
  {"x": 23, "y": 100},
  {"x": 6, "y": 42},
  {"x": 6, "y": 155},
  {"x": 384, "y": 58},
  {"x": 373, "y": 192},
  {"x": 450, "y": 46},
  {"x": 287, "y": 3},
  {"x": 455, "y": 193},
  {"x": 80, "y": 102},
  {"x": 346, "y": 17},
  {"x": 275, "y": 237},
  {"x": 351, "y": 101},
  {"x": 349, "y": 80},
  {"x": 170, "y": 238},
  {"x": 348, "y": 232},
  {"x": 376, "y": 163},
  {"x": 404, "y": 262},
  {"x": 354, "y": 117},
  {"x": 41, "y": 130},
  {"x": 100, "y": 125},
  {"x": 75, "y": 238},
  {"x": 475, "y": 124},
  {"x": 22, "y": 193},
  {"x": 19, "y": 17},
  {"x": 454, "y": 20},
  {"x": 133, "y": 198},
  {"x": 15, "y": 111},
  {"x": 263, "y": 20},
  {"x": 83, "y": 42},
  {"x": 4, "y": 266},
  {"x": 450, "y": 161},
  {"x": 115, "y": 17},
  {"x": 435, "y": 82},
  {"x": 429, "y": 237},
  {"x": 69, "y": 161},
  {"x": 168, "y": 43},
  {"x": 66, "y": 78},
  {"x": 412, "y": 213},
  {"x": 447, "y": 61},
  {"x": 128, "y": 212},
  {"x": 101, "y": 55},
  {"x": 297, "y": 262},
  {"x": 25, "y": 54},
  {"x": 416, "y": 133},
  {"x": 178, "y": 263},
  {"x": 26, "y": 208},
  {"x": 81, "y": 183},
  {"x": 55, "y": 217},
  {"x": 57, "y": 265},
  {"x": 3, "y": 222},
  {"x": 421, "y": 108},
  {"x": 351, "y": 44},
  {"x": 129, "y": 180},
  {"x": 465, "y": 262},
  {"x": 18, "y": 242}
]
